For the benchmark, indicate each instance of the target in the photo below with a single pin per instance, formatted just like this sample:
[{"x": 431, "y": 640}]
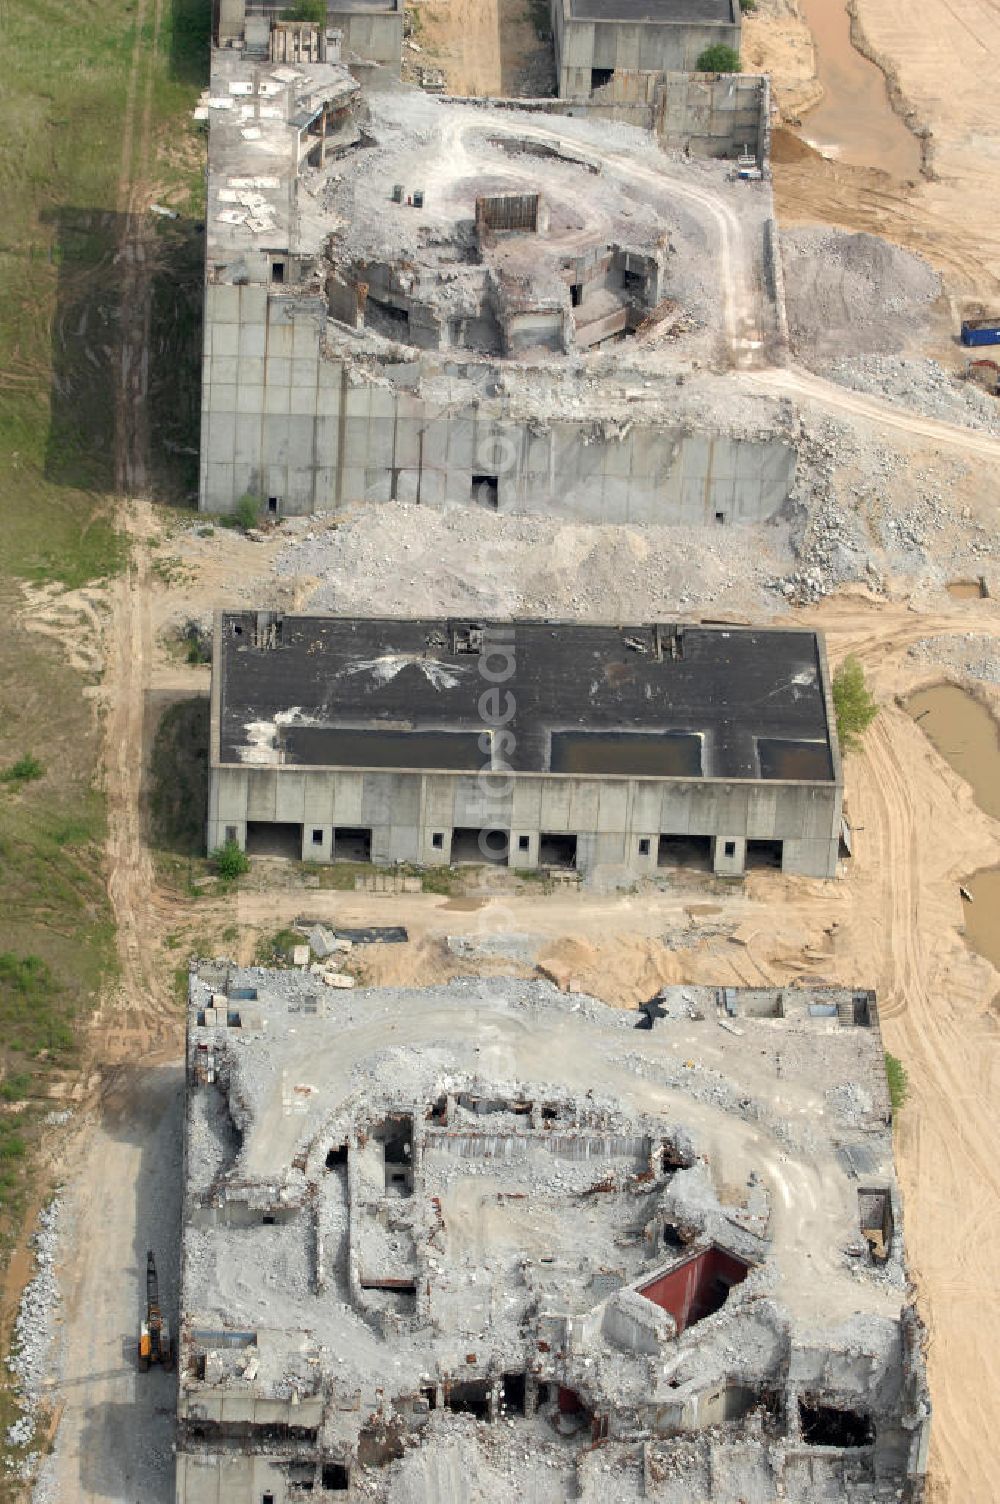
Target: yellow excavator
[{"x": 154, "y": 1333}]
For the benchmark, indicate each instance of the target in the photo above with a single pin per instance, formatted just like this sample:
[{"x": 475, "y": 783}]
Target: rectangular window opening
[
  {"x": 317, "y": 837},
  {"x": 335, "y": 1477},
  {"x": 231, "y": 833},
  {"x": 576, "y": 293},
  {"x": 825, "y": 1426},
  {"x": 437, "y": 840},
  {"x": 524, "y": 843},
  {"x": 336, "y": 1156},
  {"x": 278, "y": 272},
  {"x": 601, "y": 76},
  {"x": 644, "y": 846},
  {"x": 720, "y": 516},
  {"x": 272, "y": 504},
  {"x": 486, "y": 491},
  {"x": 730, "y": 848},
  {"x": 352, "y": 844},
  {"x": 555, "y": 850}
]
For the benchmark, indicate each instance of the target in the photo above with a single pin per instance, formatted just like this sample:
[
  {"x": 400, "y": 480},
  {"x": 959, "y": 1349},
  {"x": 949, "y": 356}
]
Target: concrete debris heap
[
  {"x": 460, "y": 303},
  {"x": 531, "y": 744},
  {"x": 420, "y": 1245}
]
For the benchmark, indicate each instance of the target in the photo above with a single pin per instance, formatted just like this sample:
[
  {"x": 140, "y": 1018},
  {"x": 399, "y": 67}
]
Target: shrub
[
  {"x": 854, "y": 705},
  {"x": 748, "y": 6},
  {"x": 718, "y": 59},
  {"x": 246, "y": 512},
  {"x": 25, "y": 770},
  {"x": 895, "y": 1073},
  {"x": 306, "y": 10},
  {"x": 230, "y": 861}
]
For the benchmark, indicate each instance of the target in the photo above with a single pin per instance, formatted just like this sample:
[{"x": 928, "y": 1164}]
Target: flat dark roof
[
  {"x": 586, "y": 700},
  {"x": 661, "y": 11}
]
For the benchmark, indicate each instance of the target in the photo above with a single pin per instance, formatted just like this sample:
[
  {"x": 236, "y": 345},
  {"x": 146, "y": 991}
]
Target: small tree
[
  {"x": 854, "y": 705},
  {"x": 718, "y": 59},
  {"x": 230, "y": 860},
  {"x": 246, "y": 512},
  {"x": 895, "y": 1073},
  {"x": 306, "y": 10}
]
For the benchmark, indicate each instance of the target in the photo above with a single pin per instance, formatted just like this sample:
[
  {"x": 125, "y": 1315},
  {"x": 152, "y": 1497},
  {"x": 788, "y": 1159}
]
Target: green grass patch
[
  {"x": 178, "y": 788},
  {"x": 25, "y": 770},
  {"x": 276, "y": 949},
  {"x": 895, "y": 1072},
  {"x": 854, "y": 706}
]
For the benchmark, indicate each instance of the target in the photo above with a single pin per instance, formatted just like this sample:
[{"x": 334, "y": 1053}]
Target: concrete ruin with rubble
[
  {"x": 456, "y": 302},
  {"x": 610, "y": 750},
  {"x": 491, "y": 1230}
]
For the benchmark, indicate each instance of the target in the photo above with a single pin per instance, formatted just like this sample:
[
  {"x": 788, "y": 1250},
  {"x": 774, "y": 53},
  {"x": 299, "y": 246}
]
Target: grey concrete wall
[
  {"x": 647, "y": 46},
  {"x": 716, "y": 114},
  {"x": 282, "y": 419},
  {"x": 609, "y": 816},
  {"x": 375, "y": 36}
]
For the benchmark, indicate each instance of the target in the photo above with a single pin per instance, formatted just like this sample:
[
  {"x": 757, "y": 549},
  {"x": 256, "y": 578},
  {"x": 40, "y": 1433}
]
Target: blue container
[{"x": 981, "y": 332}]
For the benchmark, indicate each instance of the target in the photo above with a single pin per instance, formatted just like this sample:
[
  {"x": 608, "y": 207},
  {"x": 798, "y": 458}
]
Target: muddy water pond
[
  {"x": 854, "y": 121},
  {"x": 967, "y": 590},
  {"x": 968, "y": 738}
]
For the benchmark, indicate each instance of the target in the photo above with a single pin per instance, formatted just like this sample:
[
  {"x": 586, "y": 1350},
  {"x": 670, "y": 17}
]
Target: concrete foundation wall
[
  {"x": 648, "y": 46},
  {"x": 283, "y": 420},
  {"x": 375, "y": 36},
  {"x": 610, "y": 817},
  {"x": 716, "y": 114}
]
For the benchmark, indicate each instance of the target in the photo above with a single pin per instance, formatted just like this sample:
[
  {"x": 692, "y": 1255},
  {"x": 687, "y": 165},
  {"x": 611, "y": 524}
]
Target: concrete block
[{"x": 300, "y": 955}]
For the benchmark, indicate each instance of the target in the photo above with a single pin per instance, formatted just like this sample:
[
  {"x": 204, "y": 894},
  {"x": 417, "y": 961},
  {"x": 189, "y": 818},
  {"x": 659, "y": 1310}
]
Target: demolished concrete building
[
  {"x": 598, "y": 41},
  {"x": 533, "y": 744},
  {"x": 407, "y": 296},
  {"x": 488, "y": 1231},
  {"x": 367, "y": 31}
]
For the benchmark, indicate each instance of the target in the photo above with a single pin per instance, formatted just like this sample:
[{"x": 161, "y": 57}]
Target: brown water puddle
[
  {"x": 982, "y": 930},
  {"x": 465, "y": 905},
  {"x": 854, "y": 121},
  {"x": 968, "y": 738},
  {"x": 967, "y": 590}
]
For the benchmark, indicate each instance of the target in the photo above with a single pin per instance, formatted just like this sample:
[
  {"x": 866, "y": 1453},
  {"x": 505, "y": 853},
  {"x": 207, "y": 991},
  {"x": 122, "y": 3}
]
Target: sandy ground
[
  {"x": 482, "y": 46},
  {"x": 938, "y": 60}
]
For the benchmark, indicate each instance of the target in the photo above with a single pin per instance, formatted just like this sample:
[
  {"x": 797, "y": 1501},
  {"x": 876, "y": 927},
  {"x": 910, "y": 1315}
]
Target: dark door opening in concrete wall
[
  {"x": 486, "y": 491},
  {"x": 685, "y": 851},
  {"x": 556, "y": 850},
  {"x": 468, "y": 845},
  {"x": 599, "y": 77},
  {"x": 764, "y": 854},
  {"x": 470, "y": 1398},
  {"x": 825, "y": 1426},
  {"x": 267, "y": 839},
  {"x": 576, "y": 293},
  {"x": 512, "y": 1392},
  {"x": 352, "y": 843}
]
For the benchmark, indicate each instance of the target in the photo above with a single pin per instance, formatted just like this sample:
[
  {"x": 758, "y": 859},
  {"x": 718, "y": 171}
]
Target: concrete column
[
  {"x": 322, "y": 138},
  {"x": 729, "y": 855}
]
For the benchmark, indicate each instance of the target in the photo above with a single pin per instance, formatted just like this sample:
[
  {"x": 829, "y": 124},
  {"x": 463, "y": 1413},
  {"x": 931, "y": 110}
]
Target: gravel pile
[
  {"x": 853, "y": 293},
  {"x": 398, "y": 558},
  {"x": 923, "y": 386},
  {"x": 30, "y": 1360},
  {"x": 968, "y": 653}
]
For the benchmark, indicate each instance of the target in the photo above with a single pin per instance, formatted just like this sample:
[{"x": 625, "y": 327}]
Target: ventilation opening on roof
[
  {"x": 556, "y": 850},
  {"x": 335, "y": 1477},
  {"x": 694, "y": 852},
  {"x": 396, "y": 1137},
  {"x": 352, "y": 844},
  {"x": 512, "y": 1392},
  {"x": 824, "y": 1426},
  {"x": 698, "y": 1287},
  {"x": 599, "y": 77},
  {"x": 430, "y": 1395},
  {"x": 336, "y": 1157}
]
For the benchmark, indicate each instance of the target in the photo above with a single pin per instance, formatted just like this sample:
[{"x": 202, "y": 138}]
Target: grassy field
[{"x": 66, "y": 80}]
